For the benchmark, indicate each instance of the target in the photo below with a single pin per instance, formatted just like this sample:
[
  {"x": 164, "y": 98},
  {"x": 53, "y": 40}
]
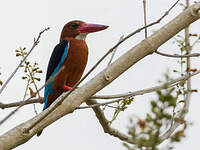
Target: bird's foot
[{"x": 67, "y": 88}]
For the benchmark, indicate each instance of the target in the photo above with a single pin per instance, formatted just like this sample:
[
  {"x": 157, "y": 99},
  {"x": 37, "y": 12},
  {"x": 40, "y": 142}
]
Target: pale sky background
[{"x": 22, "y": 20}]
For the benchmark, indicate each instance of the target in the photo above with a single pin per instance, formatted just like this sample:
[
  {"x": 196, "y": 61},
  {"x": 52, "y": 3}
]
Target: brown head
[{"x": 79, "y": 29}]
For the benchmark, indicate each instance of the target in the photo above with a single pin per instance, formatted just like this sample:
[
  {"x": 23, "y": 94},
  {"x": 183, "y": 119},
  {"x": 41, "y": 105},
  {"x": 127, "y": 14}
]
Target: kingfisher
[{"x": 71, "y": 54}]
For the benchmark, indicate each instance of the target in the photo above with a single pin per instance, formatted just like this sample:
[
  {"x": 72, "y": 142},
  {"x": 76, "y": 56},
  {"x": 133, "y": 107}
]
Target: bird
[{"x": 68, "y": 59}]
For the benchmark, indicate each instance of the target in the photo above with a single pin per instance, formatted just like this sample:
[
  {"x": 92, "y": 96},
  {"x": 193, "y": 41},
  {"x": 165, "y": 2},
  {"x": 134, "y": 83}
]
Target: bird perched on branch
[{"x": 72, "y": 53}]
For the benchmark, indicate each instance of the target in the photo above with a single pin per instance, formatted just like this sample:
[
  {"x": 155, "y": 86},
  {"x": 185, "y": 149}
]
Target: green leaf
[
  {"x": 153, "y": 104},
  {"x": 148, "y": 118}
]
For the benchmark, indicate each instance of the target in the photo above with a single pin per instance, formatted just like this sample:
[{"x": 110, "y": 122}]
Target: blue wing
[{"x": 57, "y": 58}]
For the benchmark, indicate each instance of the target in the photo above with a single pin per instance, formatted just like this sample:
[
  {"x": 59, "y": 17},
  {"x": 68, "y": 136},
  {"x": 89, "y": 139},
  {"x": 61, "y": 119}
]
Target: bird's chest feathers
[{"x": 77, "y": 55}]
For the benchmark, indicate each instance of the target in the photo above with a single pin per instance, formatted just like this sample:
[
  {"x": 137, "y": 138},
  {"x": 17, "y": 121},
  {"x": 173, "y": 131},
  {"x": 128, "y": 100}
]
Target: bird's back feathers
[{"x": 57, "y": 58}]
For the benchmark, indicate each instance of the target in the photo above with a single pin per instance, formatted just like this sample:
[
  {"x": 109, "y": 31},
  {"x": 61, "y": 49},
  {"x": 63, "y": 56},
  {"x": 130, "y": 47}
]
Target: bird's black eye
[{"x": 74, "y": 25}]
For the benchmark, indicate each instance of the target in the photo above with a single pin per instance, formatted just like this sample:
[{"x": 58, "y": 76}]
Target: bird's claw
[{"x": 67, "y": 88}]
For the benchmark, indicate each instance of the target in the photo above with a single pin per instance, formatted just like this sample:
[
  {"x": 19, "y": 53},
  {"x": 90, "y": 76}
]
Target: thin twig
[
  {"x": 169, "y": 132},
  {"x": 188, "y": 65},
  {"x": 13, "y": 73},
  {"x": 195, "y": 42},
  {"x": 26, "y": 89},
  {"x": 114, "y": 51},
  {"x": 34, "y": 108},
  {"x": 178, "y": 56},
  {"x": 145, "y": 17},
  {"x": 114, "y": 107},
  {"x": 22, "y": 103},
  {"x": 100, "y": 104}
]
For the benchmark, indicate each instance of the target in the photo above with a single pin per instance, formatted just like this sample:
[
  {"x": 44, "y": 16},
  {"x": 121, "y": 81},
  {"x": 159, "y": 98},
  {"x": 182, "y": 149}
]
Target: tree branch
[
  {"x": 178, "y": 56},
  {"x": 22, "y": 103},
  {"x": 106, "y": 126}
]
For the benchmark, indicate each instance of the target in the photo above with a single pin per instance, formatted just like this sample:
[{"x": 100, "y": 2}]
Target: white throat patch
[{"x": 81, "y": 36}]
